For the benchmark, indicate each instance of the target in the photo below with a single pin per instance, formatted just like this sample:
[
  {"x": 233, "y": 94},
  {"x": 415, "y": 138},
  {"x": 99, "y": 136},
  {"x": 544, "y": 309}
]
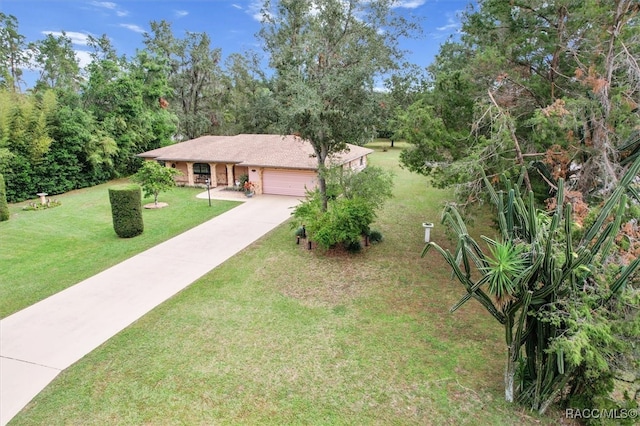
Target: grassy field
[
  {"x": 45, "y": 251},
  {"x": 282, "y": 335}
]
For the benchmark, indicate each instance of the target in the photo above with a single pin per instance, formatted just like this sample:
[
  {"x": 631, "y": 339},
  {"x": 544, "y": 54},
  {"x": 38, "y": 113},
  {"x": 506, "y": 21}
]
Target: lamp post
[{"x": 208, "y": 182}]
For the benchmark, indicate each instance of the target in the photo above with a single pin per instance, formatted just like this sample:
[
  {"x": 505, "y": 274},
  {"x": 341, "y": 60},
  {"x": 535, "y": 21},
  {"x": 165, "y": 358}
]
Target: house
[{"x": 275, "y": 164}]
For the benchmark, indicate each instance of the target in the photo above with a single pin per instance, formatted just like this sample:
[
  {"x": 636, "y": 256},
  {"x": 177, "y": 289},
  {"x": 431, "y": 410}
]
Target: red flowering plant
[{"x": 249, "y": 187}]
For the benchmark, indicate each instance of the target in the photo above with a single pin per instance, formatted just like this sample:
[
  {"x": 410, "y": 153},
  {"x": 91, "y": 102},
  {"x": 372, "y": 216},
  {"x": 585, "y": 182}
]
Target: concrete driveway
[{"x": 37, "y": 343}]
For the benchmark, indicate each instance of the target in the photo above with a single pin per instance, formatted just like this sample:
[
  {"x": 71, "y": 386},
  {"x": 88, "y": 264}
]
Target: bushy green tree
[
  {"x": 124, "y": 96},
  {"x": 195, "y": 81},
  {"x": 14, "y": 55},
  {"x": 4, "y": 208},
  {"x": 503, "y": 98},
  {"x": 24, "y": 140},
  {"x": 58, "y": 65},
  {"x": 326, "y": 55},
  {"x": 155, "y": 178}
]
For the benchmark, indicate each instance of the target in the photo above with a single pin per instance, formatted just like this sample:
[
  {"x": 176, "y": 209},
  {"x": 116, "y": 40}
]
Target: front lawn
[
  {"x": 282, "y": 335},
  {"x": 45, "y": 251}
]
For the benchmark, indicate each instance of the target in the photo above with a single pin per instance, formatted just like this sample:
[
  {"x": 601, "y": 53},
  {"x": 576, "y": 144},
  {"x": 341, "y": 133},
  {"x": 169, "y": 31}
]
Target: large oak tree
[{"x": 328, "y": 56}]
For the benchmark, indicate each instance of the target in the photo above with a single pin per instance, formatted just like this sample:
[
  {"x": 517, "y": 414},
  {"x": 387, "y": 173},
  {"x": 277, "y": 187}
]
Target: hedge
[
  {"x": 4, "y": 208},
  {"x": 126, "y": 210}
]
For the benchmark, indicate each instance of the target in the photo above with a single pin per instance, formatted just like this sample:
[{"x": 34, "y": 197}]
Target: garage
[{"x": 288, "y": 181}]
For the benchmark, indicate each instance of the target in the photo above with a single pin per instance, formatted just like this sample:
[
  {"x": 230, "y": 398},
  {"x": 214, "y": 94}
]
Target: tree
[
  {"x": 57, "y": 62},
  {"x": 327, "y": 55},
  {"x": 14, "y": 54},
  {"x": 250, "y": 105},
  {"x": 124, "y": 96},
  {"x": 572, "y": 86},
  {"x": 155, "y": 178},
  {"x": 193, "y": 74},
  {"x": 555, "y": 295},
  {"x": 24, "y": 140}
]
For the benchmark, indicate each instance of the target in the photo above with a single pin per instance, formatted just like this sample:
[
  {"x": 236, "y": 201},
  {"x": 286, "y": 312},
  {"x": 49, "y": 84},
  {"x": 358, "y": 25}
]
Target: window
[{"x": 201, "y": 169}]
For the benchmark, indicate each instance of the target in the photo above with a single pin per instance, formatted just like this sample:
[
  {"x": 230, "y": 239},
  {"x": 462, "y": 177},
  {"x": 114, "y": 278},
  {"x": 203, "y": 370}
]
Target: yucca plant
[{"x": 533, "y": 271}]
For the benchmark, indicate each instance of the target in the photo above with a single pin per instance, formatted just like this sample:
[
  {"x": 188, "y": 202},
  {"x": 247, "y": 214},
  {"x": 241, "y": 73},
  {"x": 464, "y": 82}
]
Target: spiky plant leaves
[{"x": 535, "y": 269}]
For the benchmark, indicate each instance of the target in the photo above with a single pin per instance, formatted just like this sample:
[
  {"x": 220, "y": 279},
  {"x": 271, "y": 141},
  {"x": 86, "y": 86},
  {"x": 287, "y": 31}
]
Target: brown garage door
[{"x": 287, "y": 182}]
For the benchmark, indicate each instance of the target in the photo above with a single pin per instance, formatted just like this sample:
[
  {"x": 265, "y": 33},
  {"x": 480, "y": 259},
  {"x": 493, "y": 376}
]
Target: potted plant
[{"x": 249, "y": 188}]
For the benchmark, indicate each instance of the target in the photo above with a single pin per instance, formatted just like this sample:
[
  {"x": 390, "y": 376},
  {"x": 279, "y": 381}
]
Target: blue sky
[{"x": 231, "y": 24}]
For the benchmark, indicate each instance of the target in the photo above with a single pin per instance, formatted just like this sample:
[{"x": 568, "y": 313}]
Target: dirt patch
[{"x": 155, "y": 206}]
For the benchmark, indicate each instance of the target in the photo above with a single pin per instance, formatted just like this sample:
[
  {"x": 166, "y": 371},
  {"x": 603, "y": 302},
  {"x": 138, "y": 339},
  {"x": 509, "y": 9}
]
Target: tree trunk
[
  {"x": 322, "y": 153},
  {"x": 509, "y": 375},
  {"x": 322, "y": 186}
]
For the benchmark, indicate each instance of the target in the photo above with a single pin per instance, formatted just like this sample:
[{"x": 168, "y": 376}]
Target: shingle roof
[{"x": 251, "y": 150}]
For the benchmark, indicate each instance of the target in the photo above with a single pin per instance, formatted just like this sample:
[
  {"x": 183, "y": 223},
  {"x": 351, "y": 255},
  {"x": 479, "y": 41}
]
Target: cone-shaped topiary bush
[
  {"x": 4, "y": 208},
  {"x": 126, "y": 210}
]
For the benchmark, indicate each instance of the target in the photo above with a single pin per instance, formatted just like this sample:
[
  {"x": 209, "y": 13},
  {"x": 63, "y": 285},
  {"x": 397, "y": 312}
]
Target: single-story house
[{"x": 275, "y": 164}]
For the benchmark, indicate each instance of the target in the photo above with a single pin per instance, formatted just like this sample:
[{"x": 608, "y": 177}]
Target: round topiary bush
[
  {"x": 126, "y": 210},
  {"x": 4, "y": 208}
]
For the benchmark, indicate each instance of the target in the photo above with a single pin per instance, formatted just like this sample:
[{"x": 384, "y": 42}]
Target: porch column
[
  {"x": 189, "y": 174},
  {"x": 231, "y": 181},
  {"x": 213, "y": 177}
]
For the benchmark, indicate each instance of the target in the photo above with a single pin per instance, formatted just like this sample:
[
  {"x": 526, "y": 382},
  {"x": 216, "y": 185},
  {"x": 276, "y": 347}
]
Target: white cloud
[
  {"x": 237, "y": 6},
  {"x": 255, "y": 10},
  {"x": 134, "y": 28},
  {"x": 453, "y": 23},
  {"x": 409, "y": 4},
  {"x": 83, "y": 57},
  {"x": 105, "y": 4},
  {"x": 448, "y": 26},
  {"x": 75, "y": 37},
  {"x": 180, "y": 13},
  {"x": 109, "y": 5}
]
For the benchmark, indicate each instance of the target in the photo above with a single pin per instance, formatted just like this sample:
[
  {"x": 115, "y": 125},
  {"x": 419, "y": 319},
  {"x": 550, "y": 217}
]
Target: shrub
[
  {"x": 301, "y": 232},
  {"x": 4, "y": 208},
  {"x": 33, "y": 206},
  {"x": 346, "y": 220},
  {"x": 242, "y": 179},
  {"x": 353, "y": 246},
  {"x": 126, "y": 210},
  {"x": 375, "y": 237}
]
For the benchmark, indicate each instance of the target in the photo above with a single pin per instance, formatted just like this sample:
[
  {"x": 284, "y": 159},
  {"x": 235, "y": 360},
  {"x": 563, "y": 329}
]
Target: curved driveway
[{"x": 37, "y": 343}]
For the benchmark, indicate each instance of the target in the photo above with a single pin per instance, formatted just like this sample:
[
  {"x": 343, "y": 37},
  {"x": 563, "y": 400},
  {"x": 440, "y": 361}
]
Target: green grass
[
  {"x": 282, "y": 335},
  {"x": 43, "y": 252}
]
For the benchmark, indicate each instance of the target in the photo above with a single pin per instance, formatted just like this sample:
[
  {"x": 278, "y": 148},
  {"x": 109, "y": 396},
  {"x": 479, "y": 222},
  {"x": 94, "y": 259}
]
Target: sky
[{"x": 231, "y": 24}]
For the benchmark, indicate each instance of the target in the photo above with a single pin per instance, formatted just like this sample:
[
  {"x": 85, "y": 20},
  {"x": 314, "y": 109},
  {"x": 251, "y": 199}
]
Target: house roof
[{"x": 289, "y": 152}]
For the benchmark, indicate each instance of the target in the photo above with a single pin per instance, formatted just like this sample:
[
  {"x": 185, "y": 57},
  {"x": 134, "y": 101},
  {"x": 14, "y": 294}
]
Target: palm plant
[{"x": 534, "y": 269}]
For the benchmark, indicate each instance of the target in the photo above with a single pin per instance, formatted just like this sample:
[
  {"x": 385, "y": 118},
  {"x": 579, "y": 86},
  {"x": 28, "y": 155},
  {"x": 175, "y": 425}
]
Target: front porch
[{"x": 217, "y": 174}]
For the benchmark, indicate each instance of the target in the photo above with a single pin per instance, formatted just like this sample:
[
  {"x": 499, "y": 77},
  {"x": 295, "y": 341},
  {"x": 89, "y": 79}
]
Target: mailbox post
[{"x": 427, "y": 231}]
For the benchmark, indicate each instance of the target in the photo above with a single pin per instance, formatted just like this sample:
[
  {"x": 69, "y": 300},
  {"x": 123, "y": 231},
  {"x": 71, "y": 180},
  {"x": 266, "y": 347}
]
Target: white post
[{"x": 427, "y": 231}]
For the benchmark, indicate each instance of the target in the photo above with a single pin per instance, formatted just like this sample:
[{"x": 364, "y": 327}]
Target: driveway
[{"x": 37, "y": 343}]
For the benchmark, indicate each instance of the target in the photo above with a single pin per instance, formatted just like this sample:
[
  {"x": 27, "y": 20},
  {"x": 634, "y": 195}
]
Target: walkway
[{"x": 37, "y": 343}]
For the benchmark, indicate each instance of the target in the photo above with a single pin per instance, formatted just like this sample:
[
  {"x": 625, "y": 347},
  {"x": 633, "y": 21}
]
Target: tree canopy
[
  {"x": 327, "y": 55},
  {"x": 550, "y": 85}
]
